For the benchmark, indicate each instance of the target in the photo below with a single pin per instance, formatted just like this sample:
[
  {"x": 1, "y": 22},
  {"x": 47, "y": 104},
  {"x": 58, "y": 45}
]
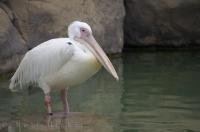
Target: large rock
[
  {"x": 12, "y": 45},
  {"x": 162, "y": 22},
  {"x": 40, "y": 20}
]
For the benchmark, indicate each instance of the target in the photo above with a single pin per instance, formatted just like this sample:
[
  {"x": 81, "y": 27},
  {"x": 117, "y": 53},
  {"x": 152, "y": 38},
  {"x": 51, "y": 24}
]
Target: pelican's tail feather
[
  {"x": 12, "y": 86},
  {"x": 16, "y": 81},
  {"x": 21, "y": 76}
]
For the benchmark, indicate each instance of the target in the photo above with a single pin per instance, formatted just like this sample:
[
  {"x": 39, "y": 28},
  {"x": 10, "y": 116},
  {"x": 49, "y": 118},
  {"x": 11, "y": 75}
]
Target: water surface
[{"x": 157, "y": 92}]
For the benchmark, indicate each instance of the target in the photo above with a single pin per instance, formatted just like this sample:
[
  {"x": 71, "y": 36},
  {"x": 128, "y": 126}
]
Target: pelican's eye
[{"x": 83, "y": 30}]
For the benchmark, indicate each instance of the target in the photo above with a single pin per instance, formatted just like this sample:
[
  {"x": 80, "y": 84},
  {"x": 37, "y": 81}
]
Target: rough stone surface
[
  {"x": 27, "y": 23},
  {"x": 40, "y": 20},
  {"x": 162, "y": 22},
  {"x": 12, "y": 45}
]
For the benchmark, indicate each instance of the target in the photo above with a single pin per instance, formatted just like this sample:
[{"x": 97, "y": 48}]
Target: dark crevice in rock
[
  {"x": 8, "y": 10},
  {"x": 16, "y": 25}
]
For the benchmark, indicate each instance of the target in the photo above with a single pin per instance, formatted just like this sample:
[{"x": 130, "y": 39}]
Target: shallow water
[{"x": 157, "y": 92}]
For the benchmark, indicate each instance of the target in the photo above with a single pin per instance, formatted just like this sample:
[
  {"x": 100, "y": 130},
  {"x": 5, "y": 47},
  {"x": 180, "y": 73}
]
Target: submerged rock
[{"x": 162, "y": 22}]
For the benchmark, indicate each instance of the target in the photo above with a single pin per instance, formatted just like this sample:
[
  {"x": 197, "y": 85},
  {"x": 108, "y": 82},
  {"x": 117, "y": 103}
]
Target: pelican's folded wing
[{"x": 42, "y": 60}]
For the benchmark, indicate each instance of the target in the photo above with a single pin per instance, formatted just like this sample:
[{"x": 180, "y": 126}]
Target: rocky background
[
  {"x": 162, "y": 23},
  {"x": 115, "y": 23},
  {"x": 27, "y": 23}
]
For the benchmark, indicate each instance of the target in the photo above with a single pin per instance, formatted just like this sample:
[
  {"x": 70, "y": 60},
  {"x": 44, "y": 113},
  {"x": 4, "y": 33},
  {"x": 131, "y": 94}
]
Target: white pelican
[{"x": 62, "y": 62}]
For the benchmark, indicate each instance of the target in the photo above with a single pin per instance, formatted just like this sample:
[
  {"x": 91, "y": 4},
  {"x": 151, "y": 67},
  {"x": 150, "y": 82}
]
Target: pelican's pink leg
[
  {"x": 48, "y": 103},
  {"x": 47, "y": 97},
  {"x": 63, "y": 93}
]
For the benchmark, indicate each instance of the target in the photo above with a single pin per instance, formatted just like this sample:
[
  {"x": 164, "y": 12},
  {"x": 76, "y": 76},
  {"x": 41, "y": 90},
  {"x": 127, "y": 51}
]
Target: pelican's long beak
[{"x": 98, "y": 52}]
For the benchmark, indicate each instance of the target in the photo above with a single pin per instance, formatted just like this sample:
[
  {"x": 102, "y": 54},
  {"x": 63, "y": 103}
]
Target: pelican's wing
[{"x": 42, "y": 60}]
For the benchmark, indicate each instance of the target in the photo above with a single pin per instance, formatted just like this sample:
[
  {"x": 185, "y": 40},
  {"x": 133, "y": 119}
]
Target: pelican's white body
[
  {"x": 57, "y": 63},
  {"x": 81, "y": 66}
]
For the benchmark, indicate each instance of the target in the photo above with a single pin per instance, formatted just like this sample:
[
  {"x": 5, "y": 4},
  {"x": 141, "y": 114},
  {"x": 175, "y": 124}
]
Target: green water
[{"x": 157, "y": 92}]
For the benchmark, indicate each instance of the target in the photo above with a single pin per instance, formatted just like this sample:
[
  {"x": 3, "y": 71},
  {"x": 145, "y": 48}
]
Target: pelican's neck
[{"x": 81, "y": 46}]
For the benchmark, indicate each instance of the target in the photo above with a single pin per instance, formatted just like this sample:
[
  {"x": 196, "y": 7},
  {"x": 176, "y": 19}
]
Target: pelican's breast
[{"x": 81, "y": 66}]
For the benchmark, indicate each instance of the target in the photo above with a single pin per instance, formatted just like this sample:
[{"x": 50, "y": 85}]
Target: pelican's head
[
  {"x": 79, "y": 30},
  {"x": 82, "y": 32}
]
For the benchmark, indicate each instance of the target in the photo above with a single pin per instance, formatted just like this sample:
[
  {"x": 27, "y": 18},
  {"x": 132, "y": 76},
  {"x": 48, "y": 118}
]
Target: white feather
[{"x": 42, "y": 60}]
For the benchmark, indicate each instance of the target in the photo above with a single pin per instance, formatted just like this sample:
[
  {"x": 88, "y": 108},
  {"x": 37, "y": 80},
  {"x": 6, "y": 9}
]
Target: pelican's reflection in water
[{"x": 77, "y": 122}]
